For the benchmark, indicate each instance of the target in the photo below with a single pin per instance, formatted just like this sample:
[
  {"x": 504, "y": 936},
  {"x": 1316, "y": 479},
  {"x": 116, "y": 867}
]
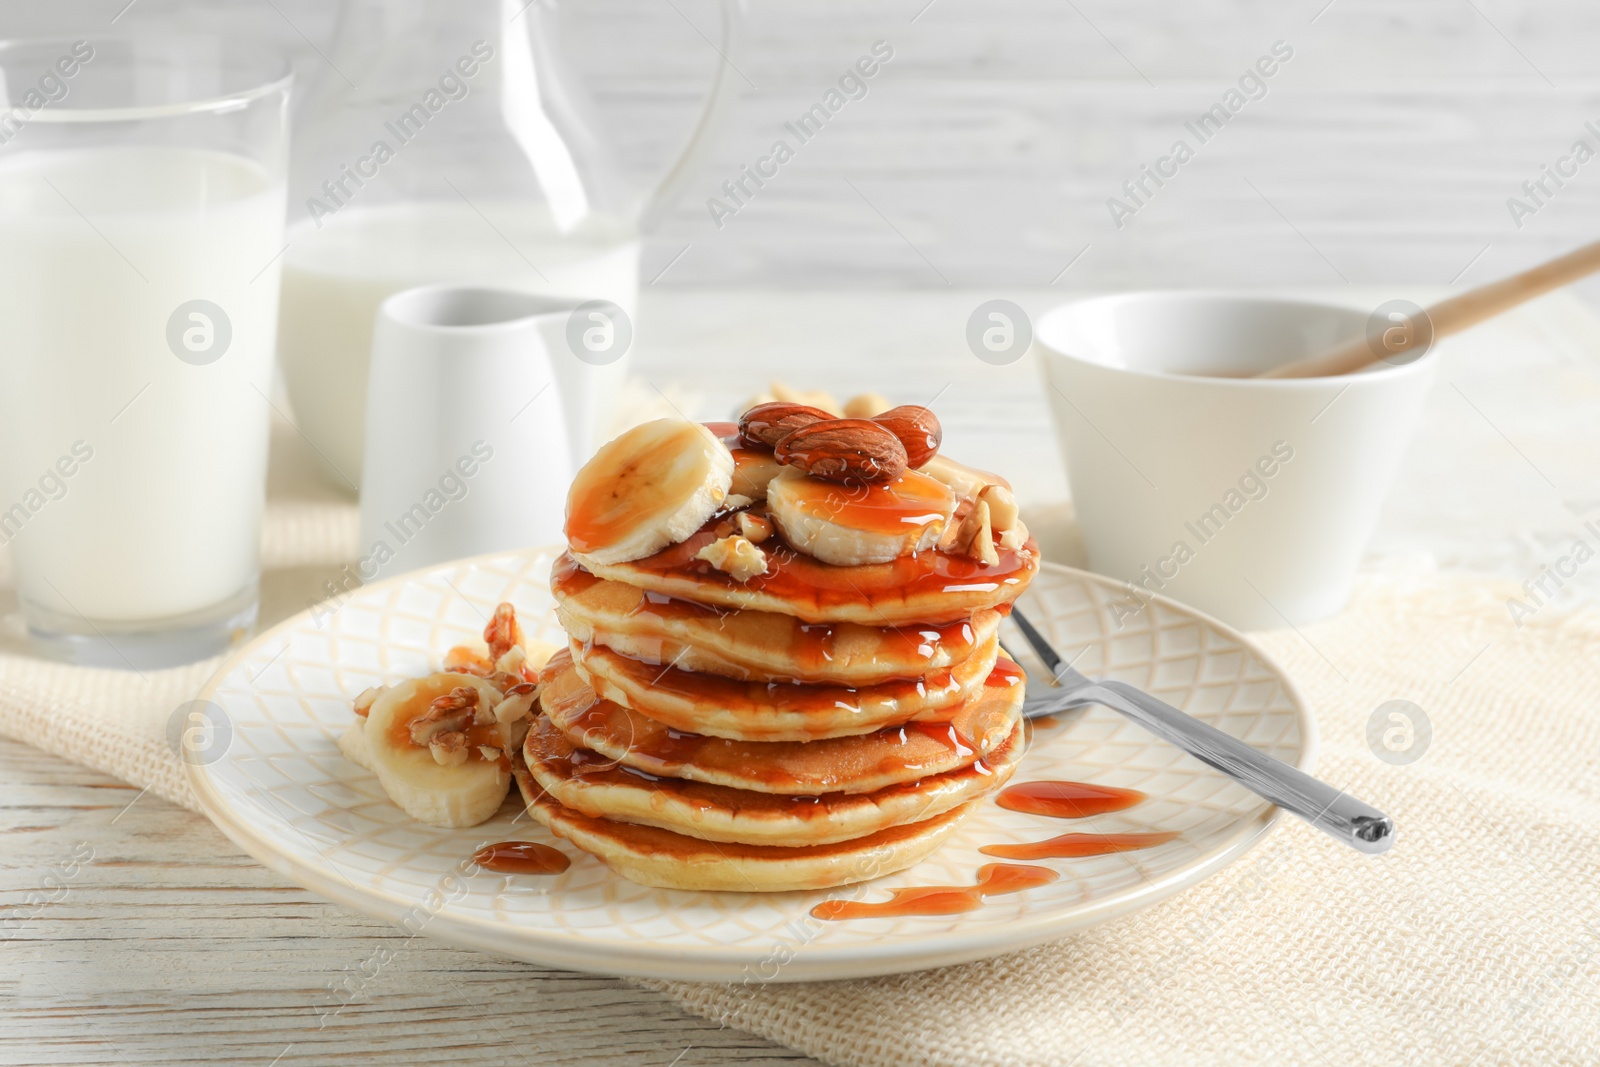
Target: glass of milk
[{"x": 141, "y": 224}]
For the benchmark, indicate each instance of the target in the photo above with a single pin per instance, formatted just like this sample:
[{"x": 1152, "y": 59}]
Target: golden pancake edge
[
  {"x": 757, "y": 645},
  {"x": 591, "y": 785},
  {"x": 696, "y": 702},
  {"x": 861, "y": 763}
]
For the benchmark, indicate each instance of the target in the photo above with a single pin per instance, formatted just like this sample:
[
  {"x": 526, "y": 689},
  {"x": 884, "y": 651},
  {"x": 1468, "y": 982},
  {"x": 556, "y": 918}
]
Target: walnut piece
[
  {"x": 502, "y": 633},
  {"x": 736, "y": 557},
  {"x": 449, "y": 750},
  {"x": 974, "y": 536},
  {"x": 451, "y": 713}
]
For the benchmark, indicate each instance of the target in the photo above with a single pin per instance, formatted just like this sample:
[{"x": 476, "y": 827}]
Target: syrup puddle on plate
[
  {"x": 1067, "y": 800},
  {"x": 1060, "y": 800},
  {"x": 993, "y": 880},
  {"x": 1073, "y": 846},
  {"x": 521, "y": 857},
  {"x": 1073, "y": 800}
]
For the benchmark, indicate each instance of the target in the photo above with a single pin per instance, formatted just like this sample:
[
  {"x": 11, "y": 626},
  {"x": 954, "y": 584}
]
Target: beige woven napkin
[{"x": 1476, "y": 940}]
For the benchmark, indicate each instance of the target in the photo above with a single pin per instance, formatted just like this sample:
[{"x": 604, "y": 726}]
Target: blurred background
[
  {"x": 985, "y": 151},
  {"x": 1393, "y": 150}
]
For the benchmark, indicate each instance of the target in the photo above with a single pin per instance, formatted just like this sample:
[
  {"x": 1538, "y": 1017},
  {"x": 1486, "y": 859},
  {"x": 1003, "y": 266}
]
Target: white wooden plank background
[
  {"x": 1384, "y": 151},
  {"x": 172, "y": 947}
]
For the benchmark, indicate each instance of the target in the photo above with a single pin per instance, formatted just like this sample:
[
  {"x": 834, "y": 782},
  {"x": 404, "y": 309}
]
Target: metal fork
[{"x": 1330, "y": 810}]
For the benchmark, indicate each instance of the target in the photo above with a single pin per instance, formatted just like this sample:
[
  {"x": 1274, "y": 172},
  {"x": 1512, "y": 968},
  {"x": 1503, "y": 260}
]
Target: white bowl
[{"x": 1249, "y": 499}]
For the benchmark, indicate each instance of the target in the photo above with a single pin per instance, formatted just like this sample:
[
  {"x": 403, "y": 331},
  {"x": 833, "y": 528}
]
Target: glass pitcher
[{"x": 452, "y": 144}]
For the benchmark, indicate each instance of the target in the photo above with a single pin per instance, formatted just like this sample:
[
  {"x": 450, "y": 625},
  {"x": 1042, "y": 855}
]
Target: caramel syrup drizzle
[
  {"x": 1056, "y": 799},
  {"x": 1072, "y": 846},
  {"x": 1073, "y": 800},
  {"x": 993, "y": 880},
  {"x": 1067, "y": 800},
  {"x": 521, "y": 857}
]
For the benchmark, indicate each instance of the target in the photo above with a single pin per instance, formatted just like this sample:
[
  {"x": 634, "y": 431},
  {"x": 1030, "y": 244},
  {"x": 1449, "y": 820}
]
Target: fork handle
[{"x": 1330, "y": 810}]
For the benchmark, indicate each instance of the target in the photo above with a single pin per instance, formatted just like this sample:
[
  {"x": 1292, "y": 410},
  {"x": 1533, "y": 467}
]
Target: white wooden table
[{"x": 169, "y": 946}]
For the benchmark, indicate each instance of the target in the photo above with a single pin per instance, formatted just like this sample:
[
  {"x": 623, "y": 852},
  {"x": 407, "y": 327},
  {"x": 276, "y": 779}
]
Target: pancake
[
  {"x": 929, "y": 586},
  {"x": 666, "y": 860},
  {"x": 777, "y": 711},
  {"x": 592, "y": 785},
  {"x": 755, "y": 645},
  {"x": 860, "y": 764}
]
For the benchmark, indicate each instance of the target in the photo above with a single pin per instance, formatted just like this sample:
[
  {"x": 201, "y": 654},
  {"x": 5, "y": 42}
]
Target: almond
[
  {"x": 764, "y": 425},
  {"x": 844, "y": 450},
  {"x": 918, "y": 429}
]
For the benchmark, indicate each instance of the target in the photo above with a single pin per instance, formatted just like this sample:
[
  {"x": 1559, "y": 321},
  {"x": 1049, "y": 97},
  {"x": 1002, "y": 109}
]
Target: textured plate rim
[{"x": 812, "y": 962}]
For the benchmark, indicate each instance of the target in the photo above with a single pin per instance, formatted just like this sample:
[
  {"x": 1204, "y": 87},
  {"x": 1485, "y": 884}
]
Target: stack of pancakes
[{"x": 814, "y": 726}]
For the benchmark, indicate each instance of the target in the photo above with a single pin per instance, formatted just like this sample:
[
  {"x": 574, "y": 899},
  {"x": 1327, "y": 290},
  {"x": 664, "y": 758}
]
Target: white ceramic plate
[{"x": 275, "y": 782}]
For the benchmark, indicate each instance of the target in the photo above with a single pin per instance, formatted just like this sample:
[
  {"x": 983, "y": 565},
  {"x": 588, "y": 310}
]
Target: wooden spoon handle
[{"x": 1450, "y": 316}]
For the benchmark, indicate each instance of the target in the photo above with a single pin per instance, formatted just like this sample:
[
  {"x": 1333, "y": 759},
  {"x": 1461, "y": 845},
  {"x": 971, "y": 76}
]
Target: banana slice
[
  {"x": 463, "y": 794},
  {"x": 650, "y": 488},
  {"x": 353, "y": 743},
  {"x": 850, "y": 525},
  {"x": 753, "y": 471}
]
